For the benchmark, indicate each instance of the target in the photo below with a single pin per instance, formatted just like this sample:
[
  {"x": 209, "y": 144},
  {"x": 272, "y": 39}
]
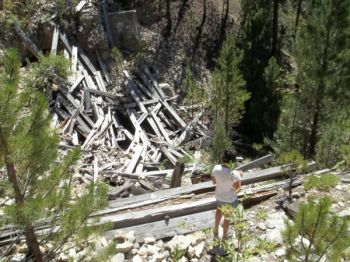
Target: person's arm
[
  {"x": 237, "y": 180},
  {"x": 213, "y": 179},
  {"x": 237, "y": 186}
]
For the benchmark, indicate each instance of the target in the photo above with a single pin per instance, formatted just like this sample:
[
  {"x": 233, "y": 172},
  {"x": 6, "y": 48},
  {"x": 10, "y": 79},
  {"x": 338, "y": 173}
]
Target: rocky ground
[{"x": 263, "y": 224}]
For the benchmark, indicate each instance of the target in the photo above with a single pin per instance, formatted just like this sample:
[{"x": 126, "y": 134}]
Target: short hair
[{"x": 227, "y": 156}]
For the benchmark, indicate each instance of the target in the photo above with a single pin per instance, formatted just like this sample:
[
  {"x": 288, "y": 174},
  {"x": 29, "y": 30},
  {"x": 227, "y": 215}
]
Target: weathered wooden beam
[
  {"x": 24, "y": 36},
  {"x": 134, "y": 160},
  {"x": 107, "y": 23},
  {"x": 255, "y": 163},
  {"x": 80, "y": 5},
  {"x": 102, "y": 93},
  {"x": 54, "y": 44}
]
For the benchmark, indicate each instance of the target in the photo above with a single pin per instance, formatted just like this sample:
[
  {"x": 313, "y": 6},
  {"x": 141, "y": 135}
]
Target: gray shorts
[{"x": 221, "y": 204}]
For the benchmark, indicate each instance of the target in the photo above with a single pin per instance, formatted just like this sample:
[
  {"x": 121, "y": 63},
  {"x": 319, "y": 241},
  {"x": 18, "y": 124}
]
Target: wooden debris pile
[{"x": 127, "y": 131}]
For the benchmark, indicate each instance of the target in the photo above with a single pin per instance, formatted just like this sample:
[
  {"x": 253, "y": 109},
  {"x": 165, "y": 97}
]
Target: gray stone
[
  {"x": 22, "y": 248},
  {"x": 18, "y": 258},
  {"x": 183, "y": 259},
  {"x": 181, "y": 242},
  {"x": 274, "y": 236},
  {"x": 262, "y": 226},
  {"x": 166, "y": 254},
  {"x": 341, "y": 204},
  {"x": 160, "y": 244},
  {"x": 149, "y": 240},
  {"x": 137, "y": 258},
  {"x": 196, "y": 251},
  {"x": 120, "y": 257},
  {"x": 158, "y": 257},
  {"x": 151, "y": 250},
  {"x": 280, "y": 252},
  {"x": 344, "y": 213},
  {"x": 197, "y": 237},
  {"x": 125, "y": 247},
  {"x": 276, "y": 220},
  {"x": 100, "y": 243},
  {"x": 120, "y": 235},
  {"x": 130, "y": 236},
  {"x": 143, "y": 251}
]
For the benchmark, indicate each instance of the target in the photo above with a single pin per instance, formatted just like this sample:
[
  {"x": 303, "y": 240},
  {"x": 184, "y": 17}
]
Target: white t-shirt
[{"x": 225, "y": 177}]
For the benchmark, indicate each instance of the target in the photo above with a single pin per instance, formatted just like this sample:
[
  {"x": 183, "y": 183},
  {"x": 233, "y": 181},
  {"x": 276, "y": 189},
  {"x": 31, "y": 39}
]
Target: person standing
[{"x": 228, "y": 184}]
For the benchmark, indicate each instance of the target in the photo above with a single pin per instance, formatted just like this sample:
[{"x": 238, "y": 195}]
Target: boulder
[
  {"x": 179, "y": 241},
  {"x": 125, "y": 247},
  {"x": 137, "y": 258},
  {"x": 280, "y": 252},
  {"x": 197, "y": 237},
  {"x": 276, "y": 220},
  {"x": 152, "y": 250},
  {"x": 120, "y": 257},
  {"x": 149, "y": 240},
  {"x": 18, "y": 258},
  {"x": 119, "y": 235},
  {"x": 274, "y": 236},
  {"x": 262, "y": 226},
  {"x": 130, "y": 236},
  {"x": 197, "y": 250}
]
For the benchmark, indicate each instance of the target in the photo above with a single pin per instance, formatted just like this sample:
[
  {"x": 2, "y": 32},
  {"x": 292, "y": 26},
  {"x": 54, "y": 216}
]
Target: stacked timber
[{"x": 123, "y": 131}]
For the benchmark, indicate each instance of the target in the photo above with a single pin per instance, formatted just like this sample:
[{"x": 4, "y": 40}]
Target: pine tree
[
  {"x": 229, "y": 94},
  {"x": 193, "y": 93},
  {"x": 316, "y": 233},
  {"x": 259, "y": 41},
  {"x": 40, "y": 186},
  {"x": 322, "y": 58}
]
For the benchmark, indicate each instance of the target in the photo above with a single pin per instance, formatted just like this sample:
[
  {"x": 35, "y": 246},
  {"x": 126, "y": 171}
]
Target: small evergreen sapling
[
  {"x": 316, "y": 233},
  {"x": 40, "y": 186},
  {"x": 298, "y": 163}
]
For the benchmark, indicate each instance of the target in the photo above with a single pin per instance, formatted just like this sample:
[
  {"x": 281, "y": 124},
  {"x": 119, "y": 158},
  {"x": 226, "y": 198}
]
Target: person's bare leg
[
  {"x": 218, "y": 216},
  {"x": 226, "y": 228}
]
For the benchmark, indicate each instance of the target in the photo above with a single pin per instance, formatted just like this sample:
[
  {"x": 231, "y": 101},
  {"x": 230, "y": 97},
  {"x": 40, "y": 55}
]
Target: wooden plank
[
  {"x": 255, "y": 163},
  {"x": 74, "y": 63},
  {"x": 168, "y": 154},
  {"x": 90, "y": 83},
  {"x": 103, "y": 68},
  {"x": 132, "y": 218},
  {"x": 86, "y": 61},
  {"x": 139, "y": 168},
  {"x": 99, "y": 81},
  {"x": 198, "y": 188},
  {"x": 134, "y": 160},
  {"x": 153, "y": 81},
  {"x": 54, "y": 44},
  {"x": 174, "y": 114},
  {"x": 80, "y": 6},
  {"x": 93, "y": 132},
  {"x": 102, "y": 93},
  {"x": 115, "y": 191},
  {"x": 76, "y": 83},
  {"x": 107, "y": 23},
  {"x": 169, "y": 228},
  {"x": 25, "y": 38}
]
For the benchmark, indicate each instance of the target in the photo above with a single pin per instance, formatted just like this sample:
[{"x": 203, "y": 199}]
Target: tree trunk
[
  {"x": 275, "y": 28},
  {"x": 297, "y": 18},
  {"x": 31, "y": 240},
  {"x": 177, "y": 175},
  {"x": 32, "y": 243},
  {"x": 169, "y": 21},
  {"x": 314, "y": 131}
]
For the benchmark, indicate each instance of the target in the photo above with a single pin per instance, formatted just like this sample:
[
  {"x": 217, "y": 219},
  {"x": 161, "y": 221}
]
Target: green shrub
[
  {"x": 316, "y": 233},
  {"x": 322, "y": 182}
]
